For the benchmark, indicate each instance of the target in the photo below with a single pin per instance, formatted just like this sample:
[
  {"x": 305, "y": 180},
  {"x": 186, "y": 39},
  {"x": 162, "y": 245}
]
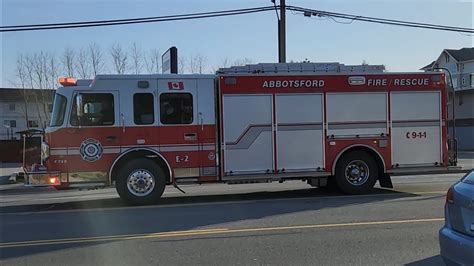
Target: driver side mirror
[{"x": 79, "y": 108}]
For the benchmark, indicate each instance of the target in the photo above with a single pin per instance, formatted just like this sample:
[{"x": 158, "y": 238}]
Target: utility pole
[{"x": 282, "y": 33}]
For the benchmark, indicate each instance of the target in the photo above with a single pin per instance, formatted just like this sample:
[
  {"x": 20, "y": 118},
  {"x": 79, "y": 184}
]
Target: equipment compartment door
[
  {"x": 248, "y": 137},
  {"x": 416, "y": 128},
  {"x": 300, "y": 141}
]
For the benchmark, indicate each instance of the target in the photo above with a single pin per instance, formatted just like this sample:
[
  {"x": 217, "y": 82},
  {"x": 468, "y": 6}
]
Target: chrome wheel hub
[
  {"x": 140, "y": 182},
  {"x": 357, "y": 172}
]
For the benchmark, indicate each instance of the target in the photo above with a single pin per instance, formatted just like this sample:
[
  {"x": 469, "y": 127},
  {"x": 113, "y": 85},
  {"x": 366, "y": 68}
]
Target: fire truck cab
[{"x": 321, "y": 123}]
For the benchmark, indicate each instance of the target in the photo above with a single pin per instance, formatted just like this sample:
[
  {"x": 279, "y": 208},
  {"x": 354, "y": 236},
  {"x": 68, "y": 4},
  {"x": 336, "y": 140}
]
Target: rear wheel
[
  {"x": 141, "y": 181},
  {"x": 356, "y": 172}
]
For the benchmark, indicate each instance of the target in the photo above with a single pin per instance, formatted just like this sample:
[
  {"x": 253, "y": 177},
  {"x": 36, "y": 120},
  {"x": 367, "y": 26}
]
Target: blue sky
[{"x": 252, "y": 36}]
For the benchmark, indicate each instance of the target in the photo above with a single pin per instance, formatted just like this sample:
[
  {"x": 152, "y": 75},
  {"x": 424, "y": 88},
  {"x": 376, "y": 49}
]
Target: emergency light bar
[{"x": 67, "y": 81}]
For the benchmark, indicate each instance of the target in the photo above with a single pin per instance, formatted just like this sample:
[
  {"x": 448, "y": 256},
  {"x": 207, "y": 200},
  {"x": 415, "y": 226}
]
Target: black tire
[
  {"x": 136, "y": 167},
  {"x": 358, "y": 180}
]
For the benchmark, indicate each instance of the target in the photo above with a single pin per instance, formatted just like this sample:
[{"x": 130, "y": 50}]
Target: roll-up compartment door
[
  {"x": 416, "y": 128},
  {"x": 299, "y": 132},
  {"x": 357, "y": 114},
  {"x": 248, "y": 136}
]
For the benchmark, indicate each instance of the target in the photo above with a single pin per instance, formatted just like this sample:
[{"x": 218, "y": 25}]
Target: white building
[
  {"x": 460, "y": 64},
  {"x": 14, "y": 116}
]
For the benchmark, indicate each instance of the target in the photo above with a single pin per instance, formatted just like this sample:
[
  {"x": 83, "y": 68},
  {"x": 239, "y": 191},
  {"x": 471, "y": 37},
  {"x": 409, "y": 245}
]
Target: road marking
[
  {"x": 211, "y": 231},
  {"x": 391, "y": 194},
  {"x": 430, "y": 192}
]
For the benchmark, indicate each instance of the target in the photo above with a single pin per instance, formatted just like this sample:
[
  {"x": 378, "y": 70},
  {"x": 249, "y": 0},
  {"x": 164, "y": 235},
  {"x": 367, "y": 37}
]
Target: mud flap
[
  {"x": 385, "y": 181},
  {"x": 318, "y": 182}
]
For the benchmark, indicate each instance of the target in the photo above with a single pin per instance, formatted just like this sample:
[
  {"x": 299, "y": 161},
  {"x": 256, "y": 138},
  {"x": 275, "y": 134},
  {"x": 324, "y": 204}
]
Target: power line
[
  {"x": 306, "y": 11},
  {"x": 101, "y": 23},
  {"x": 320, "y": 13}
]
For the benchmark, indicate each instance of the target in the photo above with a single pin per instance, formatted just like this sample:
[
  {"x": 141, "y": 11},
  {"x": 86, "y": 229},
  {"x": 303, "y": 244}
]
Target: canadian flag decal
[{"x": 176, "y": 85}]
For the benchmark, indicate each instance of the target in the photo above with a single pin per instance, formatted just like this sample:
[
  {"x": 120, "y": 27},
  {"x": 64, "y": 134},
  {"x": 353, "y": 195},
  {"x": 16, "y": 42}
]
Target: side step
[
  {"x": 427, "y": 170},
  {"x": 262, "y": 178}
]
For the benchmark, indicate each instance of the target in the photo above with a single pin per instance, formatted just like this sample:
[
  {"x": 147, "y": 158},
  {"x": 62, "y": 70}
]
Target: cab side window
[
  {"x": 176, "y": 108},
  {"x": 97, "y": 110},
  {"x": 143, "y": 109}
]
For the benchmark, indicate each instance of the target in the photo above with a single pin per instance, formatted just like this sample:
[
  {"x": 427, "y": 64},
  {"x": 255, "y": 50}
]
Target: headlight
[{"x": 44, "y": 151}]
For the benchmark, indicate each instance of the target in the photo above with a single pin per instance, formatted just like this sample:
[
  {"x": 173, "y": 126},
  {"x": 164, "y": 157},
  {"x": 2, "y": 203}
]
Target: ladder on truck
[{"x": 320, "y": 68}]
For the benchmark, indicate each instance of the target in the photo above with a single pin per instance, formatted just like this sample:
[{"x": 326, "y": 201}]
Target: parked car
[{"x": 456, "y": 238}]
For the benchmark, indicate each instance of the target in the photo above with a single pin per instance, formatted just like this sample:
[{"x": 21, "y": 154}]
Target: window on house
[
  {"x": 143, "y": 109},
  {"x": 33, "y": 123},
  {"x": 447, "y": 58},
  {"x": 472, "y": 80},
  {"x": 10, "y": 123},
  {"x": 460, "y": 99},
  {"x": 11, "y": 107},
  {"x": 176, "y": 108}
]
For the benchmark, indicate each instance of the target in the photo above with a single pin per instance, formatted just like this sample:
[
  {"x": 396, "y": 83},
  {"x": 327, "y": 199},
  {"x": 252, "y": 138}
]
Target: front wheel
[
  {"x": 140, "y": 182},
  {"x": 356, "y": 173}
]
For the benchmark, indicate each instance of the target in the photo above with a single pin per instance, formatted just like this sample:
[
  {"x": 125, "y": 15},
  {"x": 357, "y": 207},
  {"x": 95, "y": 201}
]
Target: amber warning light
[
  {"x": 67, "y": 81},
  {"x": 53, "y": 180}
]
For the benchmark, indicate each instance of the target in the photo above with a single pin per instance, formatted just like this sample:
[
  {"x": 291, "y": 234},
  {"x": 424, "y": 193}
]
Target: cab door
[
  {"x": 179, "y": 126},
  {"x": 95, "y": 131},
  {"x": 207, "y": 128}
]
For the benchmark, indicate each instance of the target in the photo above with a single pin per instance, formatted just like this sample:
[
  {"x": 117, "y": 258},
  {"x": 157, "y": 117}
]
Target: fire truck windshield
[{"x": 59, "y": 108}]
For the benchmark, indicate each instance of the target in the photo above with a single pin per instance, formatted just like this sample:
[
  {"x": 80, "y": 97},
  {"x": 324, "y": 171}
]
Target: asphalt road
[{"x": 255, "y": 224}]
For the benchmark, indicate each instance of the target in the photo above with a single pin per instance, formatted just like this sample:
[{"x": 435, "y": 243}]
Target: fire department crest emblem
[{"x": 91, "y": 150}]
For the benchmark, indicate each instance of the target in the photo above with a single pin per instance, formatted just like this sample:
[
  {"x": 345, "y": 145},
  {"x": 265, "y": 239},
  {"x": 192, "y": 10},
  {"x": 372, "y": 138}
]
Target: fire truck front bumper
[{"x": 43, "y": 178}]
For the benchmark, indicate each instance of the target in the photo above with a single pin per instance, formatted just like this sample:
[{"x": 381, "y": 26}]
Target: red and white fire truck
[{"x": 320, "y": 123}]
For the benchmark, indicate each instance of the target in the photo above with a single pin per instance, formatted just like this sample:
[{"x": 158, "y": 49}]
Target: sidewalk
[
  {"x": 6, "y": 171},
  {"x": 466, "y": 159}
]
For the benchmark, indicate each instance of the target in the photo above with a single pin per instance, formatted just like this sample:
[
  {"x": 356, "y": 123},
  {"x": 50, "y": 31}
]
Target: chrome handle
[
  {"x": 190, "y": 136},
  {"x": 123, "y": 122},
  {"x": 201, "y": 121},
  {"x": 111, "y": 138}
]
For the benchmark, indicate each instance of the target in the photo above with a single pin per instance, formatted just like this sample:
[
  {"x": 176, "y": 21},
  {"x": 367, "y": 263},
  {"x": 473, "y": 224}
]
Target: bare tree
[
  {"x": 192, "y": 68},
  {"x": 137, "y": 58},
  {"x": 21, "y": 75},
  {"x": 28, "y": 61},
  {"x": 39, "y": 73},
  {"x": 68, "y": 59},
  {"x": 83, "y": 64},
  {"x": 242, "y": 62},
  {"x": 152, "y": 61},
  {"x": 53, "y": 72},
  {"x": 223, "y": 62},
  {"x": 181, "y": 65},
  {"x": 119, "y": 58},
  {"x": 39, "y": 69},
  {"x": 197, "y": 64},
  {"x": 96, "y": 59}
]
